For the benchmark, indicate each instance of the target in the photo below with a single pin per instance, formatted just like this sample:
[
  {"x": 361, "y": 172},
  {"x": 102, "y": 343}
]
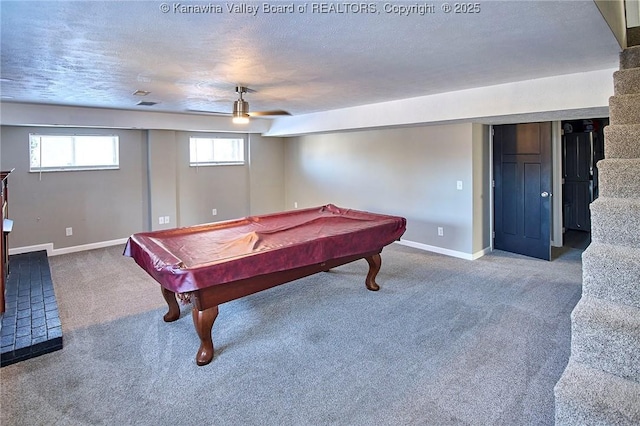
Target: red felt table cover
[{"x": 186, "y": 259}]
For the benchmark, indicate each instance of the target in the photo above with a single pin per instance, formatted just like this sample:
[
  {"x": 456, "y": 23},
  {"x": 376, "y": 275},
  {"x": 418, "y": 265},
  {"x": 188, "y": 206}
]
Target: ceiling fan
[{"x": 241, "y": 111}]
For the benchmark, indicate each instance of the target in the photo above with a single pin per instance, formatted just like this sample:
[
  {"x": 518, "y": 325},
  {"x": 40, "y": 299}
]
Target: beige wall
[
  {"x": 202, "y": 189},
  {"x": 266, "y": 174},
  {"x": 162, "y": 154},
  {"x": 99, "y": 205},
  {"x": 189, "y": 194},
  {"x": 482, "y": 187},
  {"x": 411, "y": 172},
  {"x": 613, "y": 12},
  {"x": 154, "y": 180}
]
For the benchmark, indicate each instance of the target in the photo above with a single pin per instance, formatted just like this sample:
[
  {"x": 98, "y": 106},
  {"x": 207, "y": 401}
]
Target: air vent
[
  {"x": 146, "y": 103},
  {"x": 141, "y": 92}
]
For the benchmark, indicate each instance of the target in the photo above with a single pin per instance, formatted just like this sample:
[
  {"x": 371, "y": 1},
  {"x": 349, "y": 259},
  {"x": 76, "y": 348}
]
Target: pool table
[{"x": 218, "y": 262}]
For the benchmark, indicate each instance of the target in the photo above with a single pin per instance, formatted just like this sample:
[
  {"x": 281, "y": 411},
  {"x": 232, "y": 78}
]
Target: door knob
[{"x": 545, "y": 194}]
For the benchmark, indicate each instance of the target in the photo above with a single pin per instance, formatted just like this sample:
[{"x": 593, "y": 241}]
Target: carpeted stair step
[
  {"x": 616, "y": 221},
  {"x": 624, "y": 109},
  {"x": 601, "y": 384},
  {"x": 622, "y": 141},
  {"x": 612, "y": 273},
  {"x": 630, "y": 58},
  {"x": 626, "y": 82},
  {"x": 586, "y": 396},
  {"x": 606, "y": 335},
  {"x": 619, "y": 178}
]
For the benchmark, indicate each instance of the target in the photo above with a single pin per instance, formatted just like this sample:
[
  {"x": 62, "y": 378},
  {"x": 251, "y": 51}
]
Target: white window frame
[
  {"x": 210, "y": 159},
  {"x": 113, "y": 163}
]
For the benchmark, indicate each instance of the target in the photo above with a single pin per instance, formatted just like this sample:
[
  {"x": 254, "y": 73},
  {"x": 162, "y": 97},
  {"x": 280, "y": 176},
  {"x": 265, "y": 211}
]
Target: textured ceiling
[{"x": 97, "y": 53}]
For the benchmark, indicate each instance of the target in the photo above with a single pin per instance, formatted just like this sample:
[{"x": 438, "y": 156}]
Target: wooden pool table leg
[
  {"x": 174, "y": 309},
  {"x": 203, "y": 322},
  {"x": 374, "y": 262}
]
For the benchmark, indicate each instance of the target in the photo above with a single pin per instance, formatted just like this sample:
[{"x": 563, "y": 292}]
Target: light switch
[{"x": 459, "y": 185}]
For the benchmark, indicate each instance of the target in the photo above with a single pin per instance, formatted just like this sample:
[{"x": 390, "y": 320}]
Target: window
[
  {"x": 215, "y": 151},
  {"x": 73, "y": 152}
]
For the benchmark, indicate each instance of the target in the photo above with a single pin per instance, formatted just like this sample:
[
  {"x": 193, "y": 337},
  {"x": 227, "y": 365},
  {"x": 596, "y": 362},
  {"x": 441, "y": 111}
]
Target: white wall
[
  {"x": 18, "y": 114},
  {"x": 544, "y": 99}
]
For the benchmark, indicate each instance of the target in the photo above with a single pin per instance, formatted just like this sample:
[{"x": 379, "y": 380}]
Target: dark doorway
[
  {"x": 582, "y": 148},
  {"x": 522, "y": 193}
]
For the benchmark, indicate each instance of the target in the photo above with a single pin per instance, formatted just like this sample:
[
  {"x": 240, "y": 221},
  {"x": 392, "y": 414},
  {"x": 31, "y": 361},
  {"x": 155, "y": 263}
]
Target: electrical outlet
[
  {"x": 459, "y": 185},
  {"x": 69, "y": 232},
  {"x": 214, "y": 212},
  {"x": 440, "y": 231},
  {"x": 295, "y": 204},
  {"x": 161, "y": 220},
  {"x": 166, "y": 220}
]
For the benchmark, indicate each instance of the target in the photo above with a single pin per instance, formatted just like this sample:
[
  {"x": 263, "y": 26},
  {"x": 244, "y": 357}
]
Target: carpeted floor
[{"x": 444, "y": 342}]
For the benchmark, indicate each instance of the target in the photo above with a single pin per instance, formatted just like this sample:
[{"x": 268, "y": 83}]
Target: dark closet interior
[{"x": 582, "y": 148}]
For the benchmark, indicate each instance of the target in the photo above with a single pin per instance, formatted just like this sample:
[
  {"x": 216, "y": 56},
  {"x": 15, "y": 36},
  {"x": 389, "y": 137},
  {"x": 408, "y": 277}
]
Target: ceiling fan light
[
  {"x": 240, "y": 112},
  {"x": 240, "y": 119}
]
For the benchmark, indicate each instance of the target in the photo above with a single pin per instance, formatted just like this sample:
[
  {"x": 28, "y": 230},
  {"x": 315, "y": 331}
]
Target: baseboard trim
[
  {"x": 74, "y": 249},
  {"x": 448, "y": 252},
  {"x": 28, "y": 249},
  {"x": 66, "y": 250}
]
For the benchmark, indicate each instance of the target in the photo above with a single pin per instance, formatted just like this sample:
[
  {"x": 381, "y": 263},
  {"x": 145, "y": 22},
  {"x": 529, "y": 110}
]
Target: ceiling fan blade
[
  {"x": 200, "y": 111},
  {"x": 268, "y": 113}
]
